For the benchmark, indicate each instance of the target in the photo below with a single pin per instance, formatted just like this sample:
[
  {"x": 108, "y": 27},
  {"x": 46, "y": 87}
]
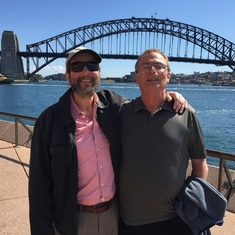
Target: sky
[{"x": 34, "y": 21}]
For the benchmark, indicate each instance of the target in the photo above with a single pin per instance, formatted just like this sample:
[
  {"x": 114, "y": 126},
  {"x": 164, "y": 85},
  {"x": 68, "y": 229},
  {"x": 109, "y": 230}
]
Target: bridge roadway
[{"x": 14, "y": 171}]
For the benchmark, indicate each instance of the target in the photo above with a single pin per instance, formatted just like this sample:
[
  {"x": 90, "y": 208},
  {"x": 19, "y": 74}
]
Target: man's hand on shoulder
[{"x": 180, "y": 103}]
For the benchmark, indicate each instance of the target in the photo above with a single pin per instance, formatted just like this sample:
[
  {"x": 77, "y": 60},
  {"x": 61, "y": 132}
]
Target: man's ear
[
  {"x": 168, "y": 77},
  {"x": 67, "y": 75},
  {"x": 136, "y": 78}
]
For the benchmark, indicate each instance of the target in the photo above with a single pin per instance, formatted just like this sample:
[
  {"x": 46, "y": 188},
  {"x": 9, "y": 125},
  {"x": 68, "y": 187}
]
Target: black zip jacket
[{"x": 53, "y": 177}]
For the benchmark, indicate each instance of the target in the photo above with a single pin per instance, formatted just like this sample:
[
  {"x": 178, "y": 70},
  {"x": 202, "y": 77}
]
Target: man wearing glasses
[
  {"x": 75, "y": 156},
  {"x": 156, "y": 146}
]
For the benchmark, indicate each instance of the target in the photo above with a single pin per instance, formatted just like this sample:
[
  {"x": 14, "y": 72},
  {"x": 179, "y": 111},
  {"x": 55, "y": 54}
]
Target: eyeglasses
[
  {"x": 158, "y": 67},
  {"x": 79, "y": 66}
]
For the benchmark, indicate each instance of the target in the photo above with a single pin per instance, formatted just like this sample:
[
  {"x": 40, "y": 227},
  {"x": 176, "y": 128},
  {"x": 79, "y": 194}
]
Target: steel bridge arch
[{"x": 59, "y": 45}]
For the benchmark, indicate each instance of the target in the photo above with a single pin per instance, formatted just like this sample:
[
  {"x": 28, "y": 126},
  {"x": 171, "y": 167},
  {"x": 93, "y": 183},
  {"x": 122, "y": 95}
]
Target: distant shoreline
[{"x": 113, "y": 81}]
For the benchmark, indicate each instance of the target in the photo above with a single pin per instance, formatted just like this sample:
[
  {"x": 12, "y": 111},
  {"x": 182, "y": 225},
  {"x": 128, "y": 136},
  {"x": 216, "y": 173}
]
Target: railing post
[
  {"x": 16, "y": 132},
  {"x": 221, "y": 166},
  {"x": 231, "y": 183}
]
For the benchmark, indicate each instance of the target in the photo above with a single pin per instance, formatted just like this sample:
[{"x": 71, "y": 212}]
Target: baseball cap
[{"x": 80, "y": 50}]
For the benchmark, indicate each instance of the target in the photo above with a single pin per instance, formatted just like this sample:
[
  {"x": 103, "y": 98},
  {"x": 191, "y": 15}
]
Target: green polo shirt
[{"x": 156, "y": 149}]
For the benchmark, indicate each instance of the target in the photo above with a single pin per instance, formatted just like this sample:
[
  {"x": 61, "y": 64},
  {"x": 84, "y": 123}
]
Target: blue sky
[{"x": 33, "y": 21}]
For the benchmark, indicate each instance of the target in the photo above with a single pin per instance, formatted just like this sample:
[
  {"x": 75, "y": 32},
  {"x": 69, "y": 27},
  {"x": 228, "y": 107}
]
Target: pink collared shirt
[{"x": 95, "y": 172}]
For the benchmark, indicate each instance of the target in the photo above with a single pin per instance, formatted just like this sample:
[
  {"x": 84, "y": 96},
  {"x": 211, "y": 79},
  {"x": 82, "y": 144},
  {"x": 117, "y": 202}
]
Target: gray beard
[{"x": 85, "y": 91}]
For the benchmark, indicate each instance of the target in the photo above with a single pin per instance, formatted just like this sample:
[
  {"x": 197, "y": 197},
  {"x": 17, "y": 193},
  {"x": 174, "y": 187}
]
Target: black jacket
[{"x": 53, "y": 178}]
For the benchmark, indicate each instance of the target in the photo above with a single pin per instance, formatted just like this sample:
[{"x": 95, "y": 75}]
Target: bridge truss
[{"x": 127, "y": 38}]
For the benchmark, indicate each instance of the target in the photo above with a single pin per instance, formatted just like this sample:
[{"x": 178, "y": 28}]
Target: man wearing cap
[{"x": 75, "y": 156}]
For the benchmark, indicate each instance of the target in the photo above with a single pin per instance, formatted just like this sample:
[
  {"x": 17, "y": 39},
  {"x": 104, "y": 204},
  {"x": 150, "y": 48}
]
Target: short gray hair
[{"x": 149, "y": 51}]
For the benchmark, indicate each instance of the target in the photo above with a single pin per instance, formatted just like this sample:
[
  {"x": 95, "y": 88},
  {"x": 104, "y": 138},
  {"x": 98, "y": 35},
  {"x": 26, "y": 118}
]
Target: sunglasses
[{"x": 79, "y": 66}]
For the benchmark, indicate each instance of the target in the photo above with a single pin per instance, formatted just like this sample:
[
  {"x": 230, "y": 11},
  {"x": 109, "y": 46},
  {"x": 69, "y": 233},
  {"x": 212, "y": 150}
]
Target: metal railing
[
  {"x": 18, "y": 120},
  {"x": 222, "y": 156}
]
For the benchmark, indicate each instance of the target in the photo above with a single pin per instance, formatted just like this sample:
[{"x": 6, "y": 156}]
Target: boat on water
[{"x": 5, "y": 80}]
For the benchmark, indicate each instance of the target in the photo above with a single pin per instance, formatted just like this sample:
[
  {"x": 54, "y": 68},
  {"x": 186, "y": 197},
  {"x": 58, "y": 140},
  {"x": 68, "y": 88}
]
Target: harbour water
[{"x": 215, "y": 106}]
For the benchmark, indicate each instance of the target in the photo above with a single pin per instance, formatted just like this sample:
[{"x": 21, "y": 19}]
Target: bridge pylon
[{"x": 11, "y": 62}]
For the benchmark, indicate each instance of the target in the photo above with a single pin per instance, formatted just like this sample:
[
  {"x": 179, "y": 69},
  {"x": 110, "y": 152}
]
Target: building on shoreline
[{"x": 208, "y": 78}]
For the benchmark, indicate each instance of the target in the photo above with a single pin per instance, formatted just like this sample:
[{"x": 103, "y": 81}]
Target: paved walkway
[
  {"x": 14, "y": 167},
  {"x": 14, "y": 216}
]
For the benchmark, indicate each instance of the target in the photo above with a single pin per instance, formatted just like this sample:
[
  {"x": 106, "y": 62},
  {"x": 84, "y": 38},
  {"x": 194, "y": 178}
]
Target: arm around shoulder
[{"x": 180, "y": 103}]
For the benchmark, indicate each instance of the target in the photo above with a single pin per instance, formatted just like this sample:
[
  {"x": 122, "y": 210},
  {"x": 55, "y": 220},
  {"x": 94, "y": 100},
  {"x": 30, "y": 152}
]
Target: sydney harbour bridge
[{"x": 121, "y": 39}]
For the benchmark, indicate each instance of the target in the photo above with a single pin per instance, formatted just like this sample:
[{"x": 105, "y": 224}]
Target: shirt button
[{"x": 101, "y": 167}]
